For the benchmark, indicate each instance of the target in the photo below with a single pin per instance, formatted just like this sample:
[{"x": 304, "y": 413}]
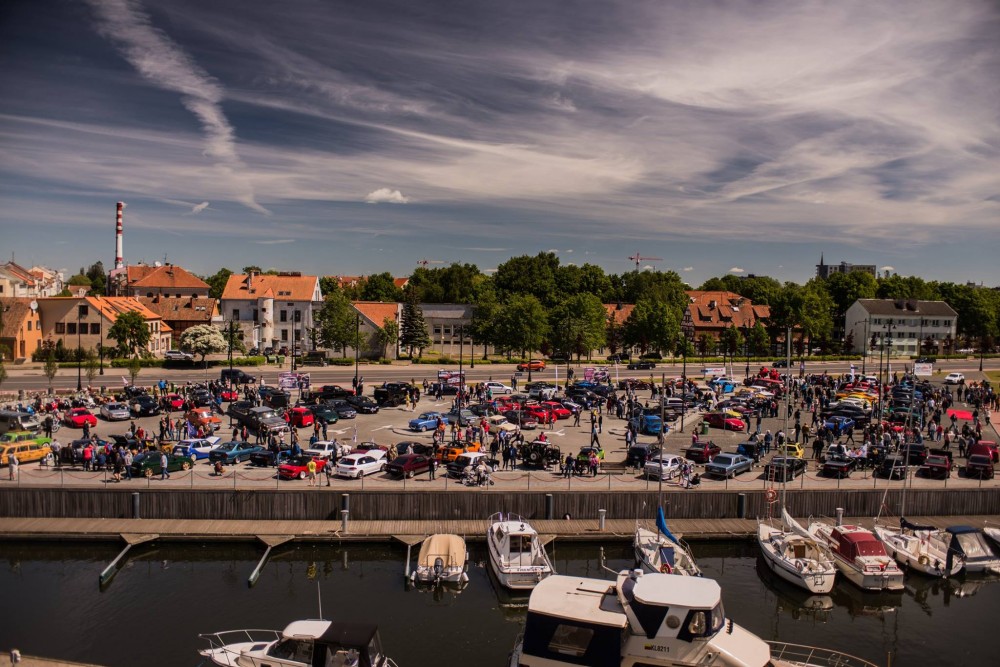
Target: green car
[
  {"x": 324, "y": 414},
  {"x": 148, "y": 464},
  {"x": 22, "y": 437}
]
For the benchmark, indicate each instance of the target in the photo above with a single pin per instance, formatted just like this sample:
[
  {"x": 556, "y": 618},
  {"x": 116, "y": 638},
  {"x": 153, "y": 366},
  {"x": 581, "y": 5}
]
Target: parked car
[
  {"x": 324, "y": 414},
  {"x": 663, "y": 466},
  {"x": 175, "y": 401},
  {"x": 77, "y": 417},
  {"x": 498, "y": 388},
  {"x": 533, "y": 365},
  {"x": 751, "y": 450},
  {"x": 236, "y": 376},
  {"x": 702, "y": 452},
  {"x": 784, "y": 468},
  {"x": 357, "y": 465},
  {"x": 145, "y": 406},
  {"x": 648, "y": 422},
  {"x": 427, "y": 421},
  {"x": 204, "y": 417},
  {"x": 300, "y": 417},
  {"x": 114, "y": 412},
  {"x": 233, "y": 452},
  {"x": 641, "y": 365},
  {"x": 979, "y": 466},
  {"x": 724, "y": 421},
  {"x": 469, "y": 459},
  {"x": 455, "y": 449},
  {"x": 729, "y": 465},
  {"x": 408, "y": 465},
  {"x": 791, "y": 449},
  {"x": 986, "y": 448},
  {"x": 326, "y": 449},
  {"x": 266, "y": 458},
  {"x": 196, "y": 448},
  {"x": 522, "y": 419},
  {"x": 838, "y": 467},
  {"x": 298, "y": 467},
  {"x": 893, "y": 467},
  {"x": 177, "y": 355},
  {"x": 915, "y": 453},
  {"x": 842, "y": 422},
  {"x": 936, "y": 466},
  {"x": 557, "y": 408},
  {"x": 343, "y": 409},
  {"x": 363, "y": 404},
  {"x": 25, "y": 445},
  {"x": 954, "y": 378},
  {"x": 409, "y": 447},
  {"x": 148, "y": 464},
  {"x": 464, "y": 417},
  {"x": 640, "y": 453}
]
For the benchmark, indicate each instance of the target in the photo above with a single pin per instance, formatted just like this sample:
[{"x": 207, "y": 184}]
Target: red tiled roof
[
  {"x": 185, "y": 309},
  {"x": 15, "y": 311},
  {"x": 619, "y": 314},
  {"x": 164, "y": 277},
  {"x": 376, "y": 311},
  {"x": 291, "y": 288},
  {"x": 20, "y": 272},
  {"x": 113, "y": 306},
  {"x": 721, "y": 310}
]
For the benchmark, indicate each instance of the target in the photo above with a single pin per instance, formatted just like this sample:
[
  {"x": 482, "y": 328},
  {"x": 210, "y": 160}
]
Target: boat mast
[{"x": 788, "y": 394}]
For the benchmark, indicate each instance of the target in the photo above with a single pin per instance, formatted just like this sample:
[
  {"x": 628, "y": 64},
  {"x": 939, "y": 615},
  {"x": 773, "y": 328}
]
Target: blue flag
[{"x": 661, "y": 524}]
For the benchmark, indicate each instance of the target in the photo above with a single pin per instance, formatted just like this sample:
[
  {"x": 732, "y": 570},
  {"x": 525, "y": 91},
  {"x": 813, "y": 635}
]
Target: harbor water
[{"x": 151, "y": 613}]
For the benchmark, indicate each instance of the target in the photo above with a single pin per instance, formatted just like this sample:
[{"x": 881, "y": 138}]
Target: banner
[
  {"x": 923, "y": 370},
  {"x": 717, "y": 372},
  {"x": 288, "y": 380}
]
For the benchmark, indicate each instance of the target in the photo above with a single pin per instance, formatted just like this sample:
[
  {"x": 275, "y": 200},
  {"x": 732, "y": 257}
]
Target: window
[
  {"x": 298, "y": 335},
  {"x": 298, "y": 315},
  {"x": 149, "y": 295},
  {"x": 284, "y": 335},
  {"x": 71, "y": 327},
  {"x": 437, "y": 330},
  {"x": 283, "y": 316},
  {"x": 236, "y": 314},
  {"x": 570, "y": 640},
  {"x": 29, "y": 325},
  {"x": 95, "y": 328},
  {"x": 256, "y": 315}
]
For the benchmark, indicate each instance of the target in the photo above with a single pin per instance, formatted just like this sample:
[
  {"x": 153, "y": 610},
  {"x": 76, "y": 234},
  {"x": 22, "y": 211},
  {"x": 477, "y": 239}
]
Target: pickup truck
[
  {"x": 391, "y": 394},
  {"x": 262, "y": 419}
]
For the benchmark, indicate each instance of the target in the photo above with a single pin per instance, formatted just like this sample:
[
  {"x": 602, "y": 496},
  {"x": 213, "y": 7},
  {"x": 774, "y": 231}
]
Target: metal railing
[{"x": 799, "y": 654}]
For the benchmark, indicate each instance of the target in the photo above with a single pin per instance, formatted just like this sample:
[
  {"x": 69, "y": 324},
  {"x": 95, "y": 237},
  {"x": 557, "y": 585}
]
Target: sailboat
[
  {"x": 795, "y": 556},
  {"x": 661, "y": 551},
  {"x": 922, "y": 549}
]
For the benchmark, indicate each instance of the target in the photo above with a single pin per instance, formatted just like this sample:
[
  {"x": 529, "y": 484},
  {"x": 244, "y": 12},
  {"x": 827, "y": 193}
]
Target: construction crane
[
  {"x": 425, "y": 262},
  {"x": 637, "y": 258}
]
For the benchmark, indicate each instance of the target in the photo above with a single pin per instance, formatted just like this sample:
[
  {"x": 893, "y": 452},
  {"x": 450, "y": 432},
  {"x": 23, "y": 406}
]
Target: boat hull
[
  {"x": 912, "y": 553},
  {"x": 647, "y": 546},
  {"x": 809, "y": 576}
]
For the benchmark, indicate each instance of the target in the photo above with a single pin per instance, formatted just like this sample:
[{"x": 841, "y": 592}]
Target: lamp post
[
  {"x": 230, "y": 334},
  {"x": 357, "y": 347},
  {"x": 100, "y": 338},
  {"x": 461, "y": 373},
  {"x": 746, "y": 347},
  {"x": 80, "y": 311},
  {"x": 687, "y": 331}
]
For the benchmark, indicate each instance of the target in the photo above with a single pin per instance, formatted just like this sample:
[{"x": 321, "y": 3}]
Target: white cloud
[
  {"x": 198, "y": 208},
  {"x": 274, "y": 241},
  {"x": 887, "y": 268},
  {"x": 386, "y": 196},
  {"x": 554, "y": 251},
  {"x": 569, "y": 252},
  {"x": 737, "y": 269},
  {"x": 687, "y": 268}
]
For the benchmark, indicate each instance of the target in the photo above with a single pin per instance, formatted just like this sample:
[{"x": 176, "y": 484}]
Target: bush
[{"x": 340, "y": 362}]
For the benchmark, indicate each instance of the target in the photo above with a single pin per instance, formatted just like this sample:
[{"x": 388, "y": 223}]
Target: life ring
[
  {"x": 924, "y": 560},
  {"x": 665, "y": 568},
  {"x": 798, "y": 565},
  {"x": 771, "y": 496}
]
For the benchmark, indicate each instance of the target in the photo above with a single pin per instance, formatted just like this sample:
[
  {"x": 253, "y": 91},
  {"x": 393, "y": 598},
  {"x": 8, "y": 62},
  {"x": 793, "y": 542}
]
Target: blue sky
[{"x": 340, "y": 137}]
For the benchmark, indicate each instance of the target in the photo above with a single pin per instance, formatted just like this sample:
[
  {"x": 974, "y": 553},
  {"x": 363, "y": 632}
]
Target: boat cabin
[
  {"x": 970, "y": 544},
  {"x": 676, "y": 607},
  {"x": 852, "y": 543},
  {"x": 318, "y": 643},
  {"x": 517, "y": 545}
]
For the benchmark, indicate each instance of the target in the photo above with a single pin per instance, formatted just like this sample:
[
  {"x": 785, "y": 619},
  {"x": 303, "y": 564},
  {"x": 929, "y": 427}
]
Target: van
[
  {"x": 237, "y": 376},
  {"x": 13, "y": 420},
  {"x": 26, "y": 451}
]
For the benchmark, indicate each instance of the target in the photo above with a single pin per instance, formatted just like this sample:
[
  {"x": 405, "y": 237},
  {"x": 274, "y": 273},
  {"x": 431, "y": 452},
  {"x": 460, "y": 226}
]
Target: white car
[
  {"x": 358, "y": 465},
  {"x": 954, "y": 378},
  {"x": 115, "y": 412},
  {"x": 664, "y": 466},
  {"x": 498, "y": 388},
  {"x": 326, "y": 449},
  {"x": 177, "y": 355}
]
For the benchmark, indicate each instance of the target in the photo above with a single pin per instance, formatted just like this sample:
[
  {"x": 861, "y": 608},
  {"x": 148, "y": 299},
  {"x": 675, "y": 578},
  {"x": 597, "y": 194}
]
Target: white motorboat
[
  {"x": 922, "y": 549},
  {"x": 860, "y": 556},
  {"x": 796, "y": 557},
  {"x": 993, "y": 534},
  {"x": 442, "y": 558},
  {"x": 301, "y": 644},
  {"x": 649, "y": 619},
  {"x": 970, "y": 544},
  {"x": 661, "y": 551},
  {"x": 516, "y": 555}
]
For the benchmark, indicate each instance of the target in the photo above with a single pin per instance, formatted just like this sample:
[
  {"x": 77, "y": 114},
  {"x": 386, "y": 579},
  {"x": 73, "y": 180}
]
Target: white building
[
  {"x": 273, "y": 310},
  {"x": 907, "y": 322}
]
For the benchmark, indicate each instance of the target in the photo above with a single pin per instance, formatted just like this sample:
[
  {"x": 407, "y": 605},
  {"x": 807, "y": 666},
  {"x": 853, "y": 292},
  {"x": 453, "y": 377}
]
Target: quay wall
[{"x": 256, "y": 504}]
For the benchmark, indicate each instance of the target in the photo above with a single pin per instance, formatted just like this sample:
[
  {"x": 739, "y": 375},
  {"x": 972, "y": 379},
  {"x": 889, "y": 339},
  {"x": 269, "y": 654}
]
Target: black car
[
  {"x": 893, "y": 467},
  {"x": 446, "y": 389},
  {"x": 620, "y": 357},
  {"x": 979, "y": 466},
  {"x": 145, "y": 406},
  {"x": 784, "y": 468},
  {"x": 837, "y": 467},
  {"x": 915, "y": 452},
  {"x": 201, "y": 398},
  {"x": 641, "y": 365},
  {"x": 276, "y": 398},
  {"x": 409, "y": 447},
  {"x": 363, "y": 404},
  {"x": 343, "y": 409},
  {"x": 638, "y": 455},
  {"x": 751, "y": 450},
  {"x": 324, "y": 414},
  {"x": 780, "y": 363},
  {"x": 392, "y": 394},
  {"x": 270, "y": 457}
]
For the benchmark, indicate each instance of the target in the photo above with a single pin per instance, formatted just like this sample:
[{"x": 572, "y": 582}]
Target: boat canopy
[
  {"x": 354, "y": 639},
  {"x": 858, "y": 543},
  {"x": 449, "y": 548},
  {"x": 688, "y": 592},
  {"x": 308, "y": 629},
  {"x": 592, "y": 601}
]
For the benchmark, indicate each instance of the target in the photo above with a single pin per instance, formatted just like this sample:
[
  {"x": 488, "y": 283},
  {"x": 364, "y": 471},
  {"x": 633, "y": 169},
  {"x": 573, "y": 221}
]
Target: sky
[{"x": 343, "y": 137}]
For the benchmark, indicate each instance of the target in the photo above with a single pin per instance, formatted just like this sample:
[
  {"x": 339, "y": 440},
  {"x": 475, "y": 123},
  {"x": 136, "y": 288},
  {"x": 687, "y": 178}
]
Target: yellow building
[
  {"x": 85, "y": 321},
  {"x": 21, "y": 330}
]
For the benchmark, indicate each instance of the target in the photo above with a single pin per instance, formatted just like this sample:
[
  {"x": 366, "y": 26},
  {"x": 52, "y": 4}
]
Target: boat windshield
[
  {"x": 295, "y": 650},
  {"x": 706, "y": 623},
  {"x": 974, "y": 546}
]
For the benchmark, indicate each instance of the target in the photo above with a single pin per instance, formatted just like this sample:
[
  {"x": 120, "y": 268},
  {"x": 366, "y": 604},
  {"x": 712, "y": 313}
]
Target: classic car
[
  {"x": 298, "y": 467},
  {"x": 986, "y": 448},
  {"x": 585, "y": 453},
  {"x": 954, "y": 378},
  {"x": 145, "y": 406},
  {"x": 728, "y": 465},
  {"x": 464, "y": 417},
  {"x": 363, "y": 404},
  {"x": 427, "y": 421},
  {"x": 408, "y": 465},
  {"x": 648, "y": 421},
  {"x": 300, "y": 417},
  {"x": 204, "y": 416},
  {"x": 791, "y": 449},
  {"x": 979, "y": 466},
  {"x": 702, "y": 452},
  {"x": 25, "y": 445},
  {"x": 915, "y": 452},
  {"x": 936, "y": 466},
  {"x": 343, "y": 409},
  {"x": 148, "y": 464},
  {"x": 367, "y": 446},
  {"x": 838, "y": 467},
  {"x": 266, "y": 458},
  {"x": 77, "y": 417},
  {"x": 540, "y": 413},
  {"x": 724, "y": 421},
  {"x": 473, "y": 459},
  {"x": 233, "y": 452},
  {"x": 324, "y": 414},
  {"x": 641, "y": 365},
  {"x": 229, "y": 394},
  {"x": 498, "y": 388},
  {"x": 663, "y": 466},
  {"x": 115, "y": 412},
  {"x": 751, "y": 450},
  {"x": 409, "y": 447},
  {"x": 639, "y": 453},
  {"x": 560, "y": 410},
  {"x": 360, "y": 464},
  {"x": 326, "y": 449},
  {"x": 522, "y": 419},
  {"x": 893, "y": 467},
  {"x": 532, "y": 365},
  {"x": 838, "y": 423},
  {"x": 455, "y": 449},
  {"x": 784, "y": 468}
]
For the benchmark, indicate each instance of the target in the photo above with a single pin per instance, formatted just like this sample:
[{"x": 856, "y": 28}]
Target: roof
[
  {"x": 113, "y": 306},
  {"x": 357, "y": 635},
  {"x": 578, "y": 599},
  {"x": 19, "y": 272},
  {"x": 309, "y": 628},
  {"x": 164, "y": 277},
  {"x": 854, "y": 534},
  {"x": 376, "y": 311},
  {"x": 455, "y": 311},
  {"x": 907, "y": 308},
  {"x": 15, "y": 311},
  {"x": 721, "y": 310},
  {"x": 183, "y": 309},
  {"x": 283, "y": 287},
  {"x": 676, "y": 591},
  {"x": 618, "y": 312},
  {"x": 449, "y": 548}
]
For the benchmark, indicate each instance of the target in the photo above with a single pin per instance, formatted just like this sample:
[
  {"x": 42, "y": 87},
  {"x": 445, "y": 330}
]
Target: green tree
[
  {"x": 98, "y": 278},
  {"x": 134, "y": 367},
  {"x": 50, "y": 369},
  {"x": 846, "y": 288},
  {"x": 578, "y": 325},
  {"x": 217, "y": 282},
  {"x": 131, "y": 332},
  {"x": 760, "y": 342},
  {"x": 522, "y": 324},
  {"x": 3, "y": 371},
  {"x": 664, "y": 286},
  {"x": 91, "y": 366},
  {"x": 337, "y": 323},
  {"x": 203, "y": 339},
  {"x": 706, "y": 345},
  {"x": 652, "y": 325},
  {"x": 525, "y": 275},
  {"x": 413, "y": 332},
  {"x": 485, "y": 316},
  {"x": 730, "y": 341},
  {"x": 253, "y": 268},
  {"x": 387, "y": 334},
  {"x": 80, "y": 280},
  {"x": 381, "y": 287}
]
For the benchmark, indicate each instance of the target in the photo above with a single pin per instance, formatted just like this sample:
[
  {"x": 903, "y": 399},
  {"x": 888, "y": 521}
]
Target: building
[
  {"x": 448, "y": 324},
  {"x": 36, "y": 282},
  {"x": 371, "y": 316},
  {"x": 711, "y": 312},
  {"x": 20, "y": 328},
  {"x": 824, "y": 270},
  {"x": 85, "y": 321},
  {"x": 180, "y": 314},
  {"x": 164, "y": 280},
  {"x": 348, "y": 282},
  {"x": 907, "y": 321},
  {"x": 272, "y": 310}
]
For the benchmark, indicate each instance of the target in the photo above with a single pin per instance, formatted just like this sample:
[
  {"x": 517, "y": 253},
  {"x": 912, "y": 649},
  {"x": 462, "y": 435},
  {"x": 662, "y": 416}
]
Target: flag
[
  {"x": 124, "y": 381},
  {"x": 355, "y": 434},
  {"x": 661, "y": 524}
]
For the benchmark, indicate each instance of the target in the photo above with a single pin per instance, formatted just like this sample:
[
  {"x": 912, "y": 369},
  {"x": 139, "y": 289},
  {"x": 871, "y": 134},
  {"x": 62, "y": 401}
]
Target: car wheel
[
  {"x": 409, "y": 474},
  {"x": 302, "y": 474},
  {"x": 361, "y": 473},
  {"x": 382, "y": 469},
  {"x": 185, "y": 466}
]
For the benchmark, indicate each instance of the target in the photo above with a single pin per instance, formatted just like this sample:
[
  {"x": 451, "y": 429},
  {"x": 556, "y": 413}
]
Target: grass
[{"x": 994, "y": 376}]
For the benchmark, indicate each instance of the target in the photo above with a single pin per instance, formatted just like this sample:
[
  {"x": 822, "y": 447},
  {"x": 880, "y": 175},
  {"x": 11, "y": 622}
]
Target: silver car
[
  {"x": 664, "y": 466},
  {"x": 115, "y": 412},
  {"x": 729, "y": 465}
]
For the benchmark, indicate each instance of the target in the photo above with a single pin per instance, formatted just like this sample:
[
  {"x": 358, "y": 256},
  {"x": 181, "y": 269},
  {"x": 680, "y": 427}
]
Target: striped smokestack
[{"x": 119, "y": 262}]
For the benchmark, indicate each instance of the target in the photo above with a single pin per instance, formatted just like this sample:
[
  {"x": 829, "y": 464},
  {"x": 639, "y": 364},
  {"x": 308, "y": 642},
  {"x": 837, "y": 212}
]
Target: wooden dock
[{"x": 195, "y": 530}]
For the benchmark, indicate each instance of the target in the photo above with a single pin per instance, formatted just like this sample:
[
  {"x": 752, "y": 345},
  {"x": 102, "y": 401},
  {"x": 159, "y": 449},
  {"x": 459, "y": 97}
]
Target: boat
[
  {"x": 442, "y": 558},
  {"x": 922, "y": 549},
  {"x": 970, "y": 544},
  {"x": 516, "y": 554},
  {"x": 661, "y": 551},
  {"x": 859, "y": 555},
  {"x": 796, "y": 557},
  {"x": 993, "y": 534},
  {"x": 650, "y": 619},
  {"x": 301, "y": 644}
]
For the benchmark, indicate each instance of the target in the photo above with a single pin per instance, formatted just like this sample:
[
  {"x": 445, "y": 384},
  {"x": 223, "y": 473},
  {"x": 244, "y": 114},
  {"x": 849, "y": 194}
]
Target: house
[
  {"x": 272, "y": 310},
  {"x": 372, "y": 315},
  {"x": 346, "y": 282},
  {"x": 909, "y": 323},
  {"x": 20, "y": 328},
  {"x": 447, "y": 324},
  {"x": 180, "y": 314},
  {"x": 710, "y": 312},
  {"x": 164, "y": 280},
  {"x": 85, "y": 321},
  {"x": 38, "y": 281}
]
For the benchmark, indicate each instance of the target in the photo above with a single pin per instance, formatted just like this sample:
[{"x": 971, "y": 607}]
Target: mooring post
[
  {"x": 741, "y": 505},
  {"x": 135, "y": 505},
  {"x": 601, "y": 516},
  {"x": 840, "y": 516},
  {"x": 343, "y": 520},
  {"x": 548, "y": 506}
]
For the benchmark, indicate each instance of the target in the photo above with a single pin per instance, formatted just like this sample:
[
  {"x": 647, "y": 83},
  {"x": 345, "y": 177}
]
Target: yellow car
[
  {"x": 791, "y": 449},
  {"x": 25, "y": 445}
]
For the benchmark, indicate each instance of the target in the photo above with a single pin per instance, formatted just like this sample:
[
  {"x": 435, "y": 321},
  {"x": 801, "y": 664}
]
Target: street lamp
[
  {"x": 746, "y": 346},
  {"x": 357, "y": 347},
  {"x": 81, "y": 311},
  {"x": 100, "y": 338},
  {"x": 687, "y": 331},
  {"x": 460, "y": 329}
]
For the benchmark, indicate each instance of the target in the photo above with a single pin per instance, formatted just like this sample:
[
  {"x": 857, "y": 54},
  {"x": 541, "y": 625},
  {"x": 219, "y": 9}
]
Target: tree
[
  {"x": 51, "y": 368},
  {"x": 337, "y": 322},
  {"x": 131, "y": 332},
  {"x": 706, "y": 345},
  {"x": 134, "y": 367},
  {"x": 413, "y": 332},
  {"x": 91, "y": 366},
  {"x": 80, "y": 280},
  {"x": 203, "y": 339},
  {"x": 526, "y": 275},
  {"x": 98, "y": 278},
  {"x": 217, "y": 282},
  {"x": 522, "y": 324},
  {"x": 234, "y": 339},
  {"x": 760, "y": 342},
  {"x": 485, "y": 314},
  {"x": 381, "y": 287},
  {"x": 387, "y": 334},
  {"x": 3, "y": 371},
  {"x": 253, "y": 268},
  {"x": 730, "y": 341},
  {"x": 578, "y": 325},
  {"x": 652, "y": 325}
]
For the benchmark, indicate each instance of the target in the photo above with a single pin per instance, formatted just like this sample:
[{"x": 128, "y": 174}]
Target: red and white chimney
[{"x": 119, "y": 262}]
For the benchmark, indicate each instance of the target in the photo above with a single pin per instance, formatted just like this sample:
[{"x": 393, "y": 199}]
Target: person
[
  {"x": 433, "y": 465},
  {"x": 163, "y": 466},
  {"x": 12, "y": 464},
  {"x": 568, "y": 468},
  {"x": 127, "y": 462},
  {"x": 594, "y": 463},
  {"x": 311, "y": 468},
  {"x": 576, "y": 416},
  {"x": 593, "y": 436}
]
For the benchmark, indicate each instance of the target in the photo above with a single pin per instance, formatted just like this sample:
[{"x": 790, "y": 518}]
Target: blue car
[
  {"x": 233, "y": 452},
  {"x": 726, "y": 384},
  {"x": 427, "y": 421},
  {"x": 838, "y": 422},
  {"x": 196, "y": 448},
  {"x": 649, "y": 424}
]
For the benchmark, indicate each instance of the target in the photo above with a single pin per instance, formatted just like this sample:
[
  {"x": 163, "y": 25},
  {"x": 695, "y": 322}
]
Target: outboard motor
[{"x": 438, "y": 569}]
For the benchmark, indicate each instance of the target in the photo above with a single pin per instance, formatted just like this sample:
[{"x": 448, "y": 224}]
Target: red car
[
  {"x": 298, "y": 467},
  {"x": 986, "y": 448},
  {"x": 532, "y": 365},
  {"x": 229, "y": 395},
  {"x": 724, "y": 421},
  {"x": 175, "y": 401},
  {"x": 77, "y": 417},
  {"x": 300, "y": 417},
  {"x": 702, "y": 452},
  {"x": 560, "y": 410},
  {"x": 543, "y": 414}
]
